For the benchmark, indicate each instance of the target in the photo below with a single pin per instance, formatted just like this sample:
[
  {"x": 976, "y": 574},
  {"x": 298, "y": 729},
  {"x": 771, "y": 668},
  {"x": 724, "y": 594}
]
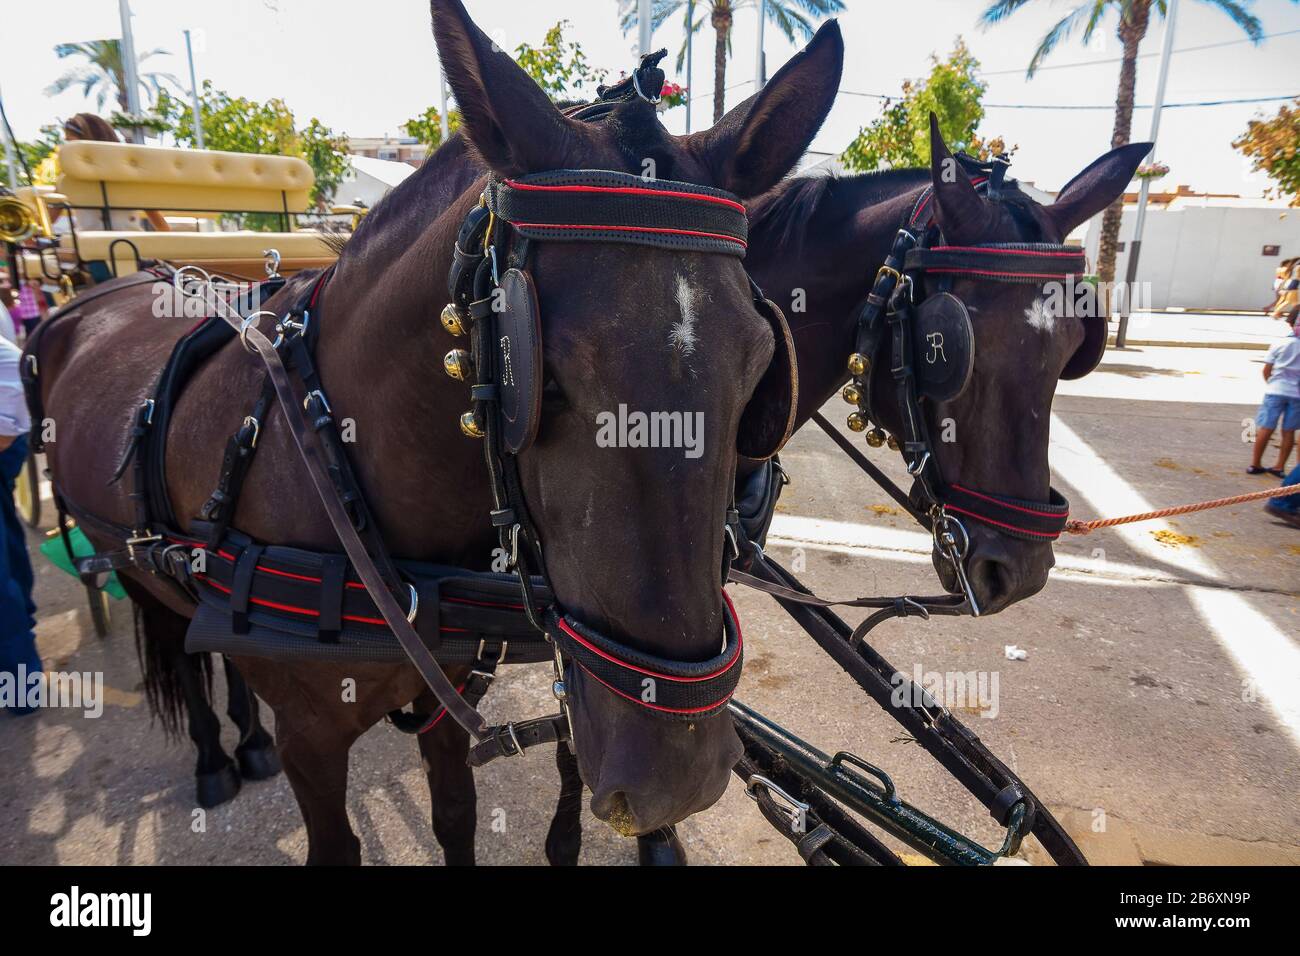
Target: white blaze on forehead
[
  {"x": 682, "y": 335},
  {"x": 1040, "y": 317}
]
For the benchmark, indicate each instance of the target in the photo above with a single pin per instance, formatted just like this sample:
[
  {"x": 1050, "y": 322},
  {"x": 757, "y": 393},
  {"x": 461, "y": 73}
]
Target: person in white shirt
[
  {"x": 1281, "y": 404},
  {"x": 17, "y": 610}
]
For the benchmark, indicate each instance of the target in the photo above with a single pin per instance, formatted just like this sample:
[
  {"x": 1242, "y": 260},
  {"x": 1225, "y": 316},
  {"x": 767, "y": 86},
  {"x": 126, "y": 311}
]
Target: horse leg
[
  {"x": 564, "y": 838},
  {"x": 256, "y": 750},
  {"x": 315, "y": 758},
  {"x": 454, "y": 799},
  {"x": 660, "y": 848},
  {"x": 174, "y": 680}
]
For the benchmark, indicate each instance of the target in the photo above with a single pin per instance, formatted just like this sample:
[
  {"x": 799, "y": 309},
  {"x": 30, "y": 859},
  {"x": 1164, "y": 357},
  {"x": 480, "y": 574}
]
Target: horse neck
[
  {"x": 814, "y": 248},
  {"x": 380, "y": 356}
]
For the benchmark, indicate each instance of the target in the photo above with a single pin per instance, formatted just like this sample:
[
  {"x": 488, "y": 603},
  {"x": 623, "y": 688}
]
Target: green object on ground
[{"x": 58, "y": 555}]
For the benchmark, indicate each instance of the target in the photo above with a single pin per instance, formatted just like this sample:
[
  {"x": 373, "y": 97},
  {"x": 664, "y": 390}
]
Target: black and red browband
[{"x": 583, "y": 205}]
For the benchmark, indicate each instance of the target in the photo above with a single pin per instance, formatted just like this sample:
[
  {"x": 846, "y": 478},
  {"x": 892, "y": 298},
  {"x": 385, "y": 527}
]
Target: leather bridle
[
  {"x": 886, "y": 328},
  {"x": 589, "y": 206}
]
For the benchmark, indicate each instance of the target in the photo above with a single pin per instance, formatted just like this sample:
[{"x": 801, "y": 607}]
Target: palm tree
[
  {"x": 104, "y": 74},
  {"x": 1134, "y": 18},
  {"x": 791, "y": 17}
]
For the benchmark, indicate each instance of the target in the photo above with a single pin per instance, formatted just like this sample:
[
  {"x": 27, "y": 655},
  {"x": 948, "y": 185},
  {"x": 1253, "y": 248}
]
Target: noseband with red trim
[
  {"x": 890, "y": 311},
  {"x": 579, "y": 205}
]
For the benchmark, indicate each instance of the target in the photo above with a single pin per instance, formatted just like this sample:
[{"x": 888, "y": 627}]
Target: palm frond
[
  {"x": 1239, "y": 15},
  {"x": 999, "y": 10},
  {"x": 1063, "y": 28}
]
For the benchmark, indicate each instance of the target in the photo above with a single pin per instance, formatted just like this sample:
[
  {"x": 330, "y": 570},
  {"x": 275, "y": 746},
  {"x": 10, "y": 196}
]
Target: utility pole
[
  {"x": 11, "y": 158},
  {"x": 129, "y": 76},
  {"x": 194, "y": 94},
  {"x": 690, "y": 34},
  {"x": 442, "y": 104},
  {"x": 645, "y": 20},
  {"x": 759, "y": 73},
  {"x": 1135, "y": 244}
]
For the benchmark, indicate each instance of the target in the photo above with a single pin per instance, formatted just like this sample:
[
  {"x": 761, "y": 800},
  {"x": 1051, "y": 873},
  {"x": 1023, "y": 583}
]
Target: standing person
[
  {"x": 17, "y": 610},
  {"x": 1288, "y": 291},
  {"x": 1281, "y": 404},
  {"x": 1287, "y": 508}
]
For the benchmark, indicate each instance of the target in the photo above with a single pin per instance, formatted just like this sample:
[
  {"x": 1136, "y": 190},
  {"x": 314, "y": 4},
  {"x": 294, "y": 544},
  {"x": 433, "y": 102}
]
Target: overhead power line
[
  {"x": 1106, "y": 106},
  {"x": 1141, "y": 56}
]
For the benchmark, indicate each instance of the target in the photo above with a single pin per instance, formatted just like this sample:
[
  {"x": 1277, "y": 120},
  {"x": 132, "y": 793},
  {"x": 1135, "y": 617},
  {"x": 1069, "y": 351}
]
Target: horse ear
[
  {"x": 962, "y": 214},
  {"x": 510, "y": 121},
  {"x": 759, "y": 141},
  {"x": 1096, "y": 187}
]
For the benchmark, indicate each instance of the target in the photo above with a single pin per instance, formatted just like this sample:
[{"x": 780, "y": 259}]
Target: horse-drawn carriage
[{"x": 117, "y": 206}]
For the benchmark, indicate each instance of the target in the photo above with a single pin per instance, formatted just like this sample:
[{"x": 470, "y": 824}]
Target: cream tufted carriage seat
[{"x": 127, "y": 177}]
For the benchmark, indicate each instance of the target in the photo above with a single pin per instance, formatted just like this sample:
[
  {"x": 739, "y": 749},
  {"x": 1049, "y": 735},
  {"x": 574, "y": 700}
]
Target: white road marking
[{"x": 1269, "y": 659}]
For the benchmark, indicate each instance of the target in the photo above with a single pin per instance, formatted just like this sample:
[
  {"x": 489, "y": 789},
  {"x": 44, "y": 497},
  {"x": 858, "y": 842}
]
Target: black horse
[{"x": 615, "y": 331}]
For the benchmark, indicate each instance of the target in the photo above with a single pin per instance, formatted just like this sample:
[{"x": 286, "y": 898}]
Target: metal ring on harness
[
  {"x": 245, "y": 324},
  {"x": 415, "y": 604}
]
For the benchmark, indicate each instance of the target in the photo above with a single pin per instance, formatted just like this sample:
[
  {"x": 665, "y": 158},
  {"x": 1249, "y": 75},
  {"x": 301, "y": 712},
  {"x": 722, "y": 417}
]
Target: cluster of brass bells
[
  {"x": 459, "y": 364},
  {"x": 859, "y": 364}
]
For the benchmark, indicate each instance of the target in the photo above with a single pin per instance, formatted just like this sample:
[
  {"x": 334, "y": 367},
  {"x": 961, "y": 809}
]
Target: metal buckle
[
  {"x": 887, "y": 271},
  {"x": 32, "y": 365},
  {"x": 321, "y": 396},
  {"x": 796, "y": 810},
  {"x": 286, "y": 326},
  {"x": 514, "y": 547},
  {"x": 482, "y": 646},
  {"x": 257, "y": 430},
  {"x": 942, "y": 524},
  {"x": 730, "y": 534},
  {"x": 514, "y": 740},
  {"x": 141, "y": 539},
  {"x": 914, "y": 468},
  {"x": 147, "y": 405},
  {"x": 415, "y": 604}
]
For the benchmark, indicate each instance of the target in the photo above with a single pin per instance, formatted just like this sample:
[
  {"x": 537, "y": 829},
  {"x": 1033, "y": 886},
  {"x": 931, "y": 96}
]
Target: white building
[
  {"x": 1206, "y": 253},
  {"x": 369, "y": 180}
]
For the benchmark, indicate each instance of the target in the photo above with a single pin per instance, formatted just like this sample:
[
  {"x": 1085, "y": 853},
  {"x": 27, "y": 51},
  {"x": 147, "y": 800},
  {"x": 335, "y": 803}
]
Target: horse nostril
[{"x": 992, "y": 580}]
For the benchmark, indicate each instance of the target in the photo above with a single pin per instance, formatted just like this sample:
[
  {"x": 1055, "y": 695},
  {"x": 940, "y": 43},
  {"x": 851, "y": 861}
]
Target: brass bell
[
  {"x": 876, "y": 437},
  {"x": 852, "y": 394},
  {"x": 459, "y": 365},
  {"x": 857, "y": 422},
  {"x": 452, "y": 320},
  {"x": 892, "y": 442},
  {"x": 858, "y": 364},
  {"x": 469, "y": 425}
]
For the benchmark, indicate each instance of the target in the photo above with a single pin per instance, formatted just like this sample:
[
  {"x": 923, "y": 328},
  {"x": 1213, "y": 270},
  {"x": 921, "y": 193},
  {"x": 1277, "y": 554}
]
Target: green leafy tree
[
  {"x": 239, "y": 125},
  {"x": 1274, "y": 146},
  {"x": 1133, "y": 17},
  {"x": 103, "y": 75},
  {"x": 427, "y": 127},
  {"x": 39, "y": 155},
  {"x": 558, "y": 65},
  {"x": 791, "y": 17},
  {"x": 900, "y": 136}
]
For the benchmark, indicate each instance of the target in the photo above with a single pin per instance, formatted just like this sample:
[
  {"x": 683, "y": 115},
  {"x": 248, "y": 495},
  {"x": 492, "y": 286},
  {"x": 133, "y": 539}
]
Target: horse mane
[{"x": 788, "y": 209}]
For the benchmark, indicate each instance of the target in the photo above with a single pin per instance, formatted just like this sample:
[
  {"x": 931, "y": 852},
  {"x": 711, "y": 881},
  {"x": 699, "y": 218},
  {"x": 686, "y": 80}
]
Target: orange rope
[{"x": 1084, "y": 527}]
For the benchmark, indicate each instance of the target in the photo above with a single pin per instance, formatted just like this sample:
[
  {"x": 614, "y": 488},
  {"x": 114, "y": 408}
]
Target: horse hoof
[
  {"x": 258, "y": 763},
  {"x": 661, "y": 848},
  {"x": 217, "y": 787}
]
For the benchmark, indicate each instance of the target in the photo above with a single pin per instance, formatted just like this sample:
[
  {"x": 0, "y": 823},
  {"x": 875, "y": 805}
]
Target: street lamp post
[
  {"x": 194, "y": 94},
  {"x": 759, "y": 77},
  {"x": 129, "y": 76},
  {"x": 1139, "y": 222},
  {"x": 690, "y": 34},
  {"x": 645, "y": 20}
]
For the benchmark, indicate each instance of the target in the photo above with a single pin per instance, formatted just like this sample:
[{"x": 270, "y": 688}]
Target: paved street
[{"x": 1158, "y": 707}]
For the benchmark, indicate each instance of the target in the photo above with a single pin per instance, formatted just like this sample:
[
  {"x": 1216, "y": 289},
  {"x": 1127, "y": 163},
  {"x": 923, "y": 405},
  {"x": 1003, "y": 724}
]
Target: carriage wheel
[
  {"x": 100, "y": 617},
  {"x": 27, "y": 492}
]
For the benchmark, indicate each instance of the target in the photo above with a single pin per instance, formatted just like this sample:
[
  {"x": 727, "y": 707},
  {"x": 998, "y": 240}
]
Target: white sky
[{"x": 363, "y": 68}]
